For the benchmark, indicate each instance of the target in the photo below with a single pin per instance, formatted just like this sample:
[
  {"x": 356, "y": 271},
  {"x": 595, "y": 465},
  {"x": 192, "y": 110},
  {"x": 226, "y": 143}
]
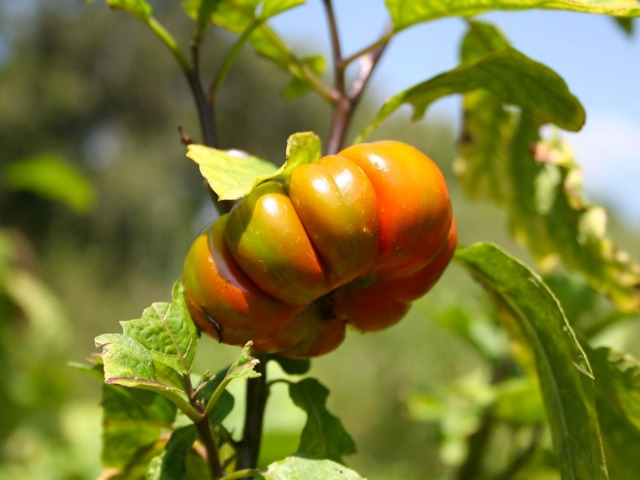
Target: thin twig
[
  {"x": 346, "y": 102},
  {"x": 206, "y": 437},
  {"x": 204, "y": 430},
  {"x": 204, "y": 105},
  {"x": 368, "y": 63},
  {"x": 336, "y": 49}
]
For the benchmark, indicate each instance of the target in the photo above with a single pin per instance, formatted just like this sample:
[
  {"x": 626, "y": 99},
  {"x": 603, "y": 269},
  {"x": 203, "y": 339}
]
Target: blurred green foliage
[{"x": 82, "y": 91}]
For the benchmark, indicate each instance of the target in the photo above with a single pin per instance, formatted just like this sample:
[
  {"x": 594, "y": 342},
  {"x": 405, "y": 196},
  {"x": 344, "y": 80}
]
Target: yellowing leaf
[
  {"x": 233, "y": 174},
  {"x": 503, "y": 159},
  {"x": 407, "y": 13}
]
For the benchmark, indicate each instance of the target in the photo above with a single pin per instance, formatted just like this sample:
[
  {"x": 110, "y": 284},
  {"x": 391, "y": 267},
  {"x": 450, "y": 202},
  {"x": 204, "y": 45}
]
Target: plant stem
[
  {"x": 257, "y": 394},
  {"x": 204, "y": 431},
  {"x": 206, "y": 437},
  {"x": 346, "y": 102},
  {"x": 203, "y": 104},
  {"x": 206, "y": 115}
]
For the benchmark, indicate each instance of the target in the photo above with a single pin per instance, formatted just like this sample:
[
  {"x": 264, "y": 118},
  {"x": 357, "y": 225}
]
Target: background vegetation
[{"x": 96, "y": 104}]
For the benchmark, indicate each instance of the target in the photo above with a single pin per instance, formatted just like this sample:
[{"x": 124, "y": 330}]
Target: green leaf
[
  {"x": 225, "y": 402},
  {"x": 201, "y": 11},
  {"x": 323, "y": 435},
  {"x": 534, "y": 317},
  {"x": 154, "y": 352},
  {"x": 293, "y": 366},
  {"x": 50, "y": 177},
  {"x": 139, "y": 8},
  {"x": 518, "y": 401},
  {"x": 172, "y": 464},
  {"x": 407, "y": 13},
  {"x": 271, "y": 8},
  {"x": 242, "y": 368},
  {"x": 299, "y": 84},
  {"x": 502, "y": 159},
  {"x": 511, "y": 76},
  {"x": 300, "y": 468},
  {"x": 626, "y": 25},
  {"x": 132, "y": 421},
  {"x": 233, "y": 174},
  {"x": 302, "y": 147},
  {"x": 167, "y": 331},
  {"x": 618, "y": 402},
  {"x": 247, "y": 18}
]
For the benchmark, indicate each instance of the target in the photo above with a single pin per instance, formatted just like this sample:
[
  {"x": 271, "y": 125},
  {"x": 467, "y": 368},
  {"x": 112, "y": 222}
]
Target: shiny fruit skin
[{"x": 352, "y": 239}]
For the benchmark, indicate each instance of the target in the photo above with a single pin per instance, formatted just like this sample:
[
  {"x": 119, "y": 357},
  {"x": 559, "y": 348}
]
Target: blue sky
[{"x": 599, "y": 62}]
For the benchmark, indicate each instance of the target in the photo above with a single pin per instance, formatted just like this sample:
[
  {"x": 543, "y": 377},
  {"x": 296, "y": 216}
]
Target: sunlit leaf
[
  {"x": 139, "y": 8},
  {"x": 167, "y": 331},
  {"x": 323, "y": 435},
  {"x": 510, "y": 76},
  {"x": 618, "y": 401},
  {"x": 406, "y": 13},
  {"x": 232, "y": 174},
  {"x": 301, "y": 468},
  {"x": 50, "y": 177},
  {"x": 153, "y": 354},
  {"x": 534, "y": 317},
  {"x": 271, "y": 8},
  {"x": 503, "y": 159}
]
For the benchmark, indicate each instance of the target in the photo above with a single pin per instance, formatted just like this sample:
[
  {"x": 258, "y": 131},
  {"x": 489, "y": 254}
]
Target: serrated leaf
[
  {"x": 244, "y": 366},
  {"x": 512, "y": 77},
  {"x": 144, "y": 356},
  {"x": 405, "y": 14},
  {"x": 172, "y": 463},
  {"x": 52, "y": 178},
  {"x": 167, "y": 331},
  {"x": 618, "y": 402},
  {"x": 502, "y": 159},
  {"x": 535, "y": 318},
  {"x": 323, "y": 435},
  {"x": 139, "y": 8},
  {"x": 300, "y": 468},
  {"x": 233, "y": 175}
]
